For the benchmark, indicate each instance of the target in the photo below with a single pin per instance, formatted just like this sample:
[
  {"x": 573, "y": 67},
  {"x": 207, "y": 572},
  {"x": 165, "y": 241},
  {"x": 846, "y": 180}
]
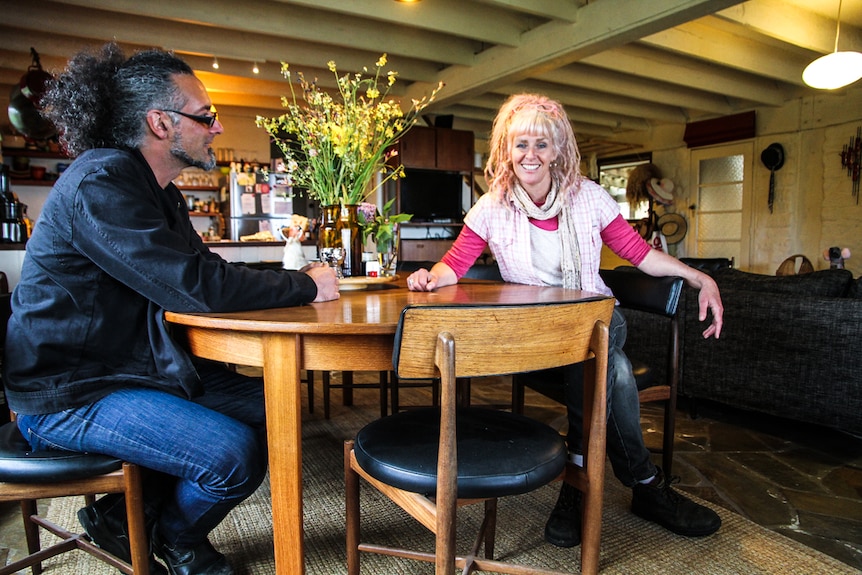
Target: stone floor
[{"x": 802, "y": 482}]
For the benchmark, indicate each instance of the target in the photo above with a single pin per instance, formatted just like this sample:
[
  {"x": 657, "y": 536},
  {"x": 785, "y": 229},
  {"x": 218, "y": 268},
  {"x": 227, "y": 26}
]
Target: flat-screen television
[{"x": 432, "y": 196}]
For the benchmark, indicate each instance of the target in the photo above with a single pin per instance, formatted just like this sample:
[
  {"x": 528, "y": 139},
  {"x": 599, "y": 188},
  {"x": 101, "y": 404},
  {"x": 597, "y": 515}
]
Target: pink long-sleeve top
[{"x": 496, "y": 223}]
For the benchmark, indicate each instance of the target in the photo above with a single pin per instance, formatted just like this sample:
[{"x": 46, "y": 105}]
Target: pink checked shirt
[{"x": 496, "y": 222}]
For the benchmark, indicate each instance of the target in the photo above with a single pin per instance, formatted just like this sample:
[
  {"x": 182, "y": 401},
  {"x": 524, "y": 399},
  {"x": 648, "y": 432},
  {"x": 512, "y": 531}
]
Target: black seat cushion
[
  {"x": 20, "y": 464},
  {"x": 499, "y": 453}
]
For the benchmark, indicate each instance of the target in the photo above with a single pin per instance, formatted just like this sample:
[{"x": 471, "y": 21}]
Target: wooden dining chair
[
  {"x": 647, "y": 298},
  {"x": 27, "y": 476},
  {"x": 433, "y": 460},
  {"x": 656, "y": 298}
]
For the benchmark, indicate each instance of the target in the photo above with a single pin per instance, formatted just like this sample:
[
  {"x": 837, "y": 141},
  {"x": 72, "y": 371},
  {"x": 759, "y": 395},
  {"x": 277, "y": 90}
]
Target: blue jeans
[
  {"x": 209, "y": 453},
  {"x": 627, "y": 452}
]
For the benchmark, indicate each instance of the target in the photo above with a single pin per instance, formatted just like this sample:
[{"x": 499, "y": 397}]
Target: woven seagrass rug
[{"x": 630, "y": 546}]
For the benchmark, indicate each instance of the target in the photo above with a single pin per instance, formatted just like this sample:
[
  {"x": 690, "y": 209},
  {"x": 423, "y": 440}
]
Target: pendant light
[{"x": 834, "y": 70}]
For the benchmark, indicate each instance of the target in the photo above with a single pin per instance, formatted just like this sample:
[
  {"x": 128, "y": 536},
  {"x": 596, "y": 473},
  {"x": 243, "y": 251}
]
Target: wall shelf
[{"x": 24, "y": 152}]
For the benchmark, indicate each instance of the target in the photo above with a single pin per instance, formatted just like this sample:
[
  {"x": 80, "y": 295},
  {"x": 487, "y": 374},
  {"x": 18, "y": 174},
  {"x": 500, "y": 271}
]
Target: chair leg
[
  {"x": 309, "y": 377},
  {"x": 326, "y": 383},
  {"x": 31, "y": 531},
  {"x": 517, "y": 395},
  {"x": 347, "y": 389},
  {"x": 138, "y": 537},
  {"x": 490, "y": 527},
  {"x": 351, "y": 490},
  {"x": 393, "y": 394},
  {"x": 669, "y": 436},
  {"x": 384, "y": 393}
]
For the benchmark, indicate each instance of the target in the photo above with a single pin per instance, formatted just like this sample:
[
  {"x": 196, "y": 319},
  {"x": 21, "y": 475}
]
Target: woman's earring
[{"x": 554, "y": 164}]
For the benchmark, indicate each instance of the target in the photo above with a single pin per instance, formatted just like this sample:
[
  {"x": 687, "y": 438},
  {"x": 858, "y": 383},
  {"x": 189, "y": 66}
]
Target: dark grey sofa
[{"x": 790, "y": 346}]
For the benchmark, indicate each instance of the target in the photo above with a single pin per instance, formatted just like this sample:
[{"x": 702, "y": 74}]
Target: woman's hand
[
  {"x": 421, "y": 280},
  {"x": 424, "y": 280}
]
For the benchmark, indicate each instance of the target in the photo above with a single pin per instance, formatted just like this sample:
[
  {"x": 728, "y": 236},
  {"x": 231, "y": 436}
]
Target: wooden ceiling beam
[
  {"x": 645, "y": 62},
  {"x": 732, "y": 51},
  {"x": 488, "y": 24},
  {"x": 647, "y": 89},
  {"x": 101, "y": 26},
  {"x": 600, "y": 26},
  {"x": 292, "y": 20}
]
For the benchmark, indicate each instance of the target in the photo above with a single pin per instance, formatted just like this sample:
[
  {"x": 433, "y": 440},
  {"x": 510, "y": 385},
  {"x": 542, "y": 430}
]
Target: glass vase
[
  {"x": 329, "y": 237},
  {"x": 387, "y": 253},
  {"x": 351, "y": 241}
]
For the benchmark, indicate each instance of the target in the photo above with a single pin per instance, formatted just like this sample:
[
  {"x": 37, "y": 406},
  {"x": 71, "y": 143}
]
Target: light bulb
[
  {"x": 215, "y": 63},
  {"x": 255, "y": 69}
]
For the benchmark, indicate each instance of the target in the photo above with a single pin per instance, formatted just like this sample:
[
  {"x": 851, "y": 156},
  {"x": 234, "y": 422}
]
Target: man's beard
[{"x": 179, "y": 152}]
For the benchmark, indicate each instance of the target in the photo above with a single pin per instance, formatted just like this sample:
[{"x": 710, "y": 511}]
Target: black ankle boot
[
  {"x": 657, "y": 501},
  {"x": 202, "y": 559},
  {"x": 563, "y": 528},
  {"x": 105, "y": 523}
]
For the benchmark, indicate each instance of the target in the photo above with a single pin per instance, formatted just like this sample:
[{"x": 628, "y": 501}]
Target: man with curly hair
[{"x": 90, "y": 364}]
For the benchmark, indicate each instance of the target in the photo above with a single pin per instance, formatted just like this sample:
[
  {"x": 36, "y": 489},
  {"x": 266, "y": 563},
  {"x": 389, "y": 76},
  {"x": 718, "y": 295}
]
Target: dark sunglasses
[{"x": 207, "y": 121}]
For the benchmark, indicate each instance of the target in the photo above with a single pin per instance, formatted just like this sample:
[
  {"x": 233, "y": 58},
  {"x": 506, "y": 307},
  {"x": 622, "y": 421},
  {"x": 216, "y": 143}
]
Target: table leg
[{"x": 281, "y": 365}]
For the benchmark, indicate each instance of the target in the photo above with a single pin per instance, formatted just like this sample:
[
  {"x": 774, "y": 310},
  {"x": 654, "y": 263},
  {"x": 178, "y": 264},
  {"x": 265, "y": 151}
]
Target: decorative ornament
[
  {"x": 851, "y": 157},
  {"x": 773, "y": 158},
  {"x": 673, "y": 226},
  {"x": 836, "y": 256},
  {"x": 638, "y": 183},
  {"x": 661, "y": 190}
]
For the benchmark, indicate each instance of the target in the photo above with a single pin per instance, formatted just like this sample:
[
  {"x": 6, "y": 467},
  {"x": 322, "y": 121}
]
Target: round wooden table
[{"x": 353, "y": 333}]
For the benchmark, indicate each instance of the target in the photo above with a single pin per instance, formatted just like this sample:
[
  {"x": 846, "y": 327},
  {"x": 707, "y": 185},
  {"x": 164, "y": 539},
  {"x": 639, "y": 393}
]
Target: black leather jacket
[{"x": 110, "y": 252}]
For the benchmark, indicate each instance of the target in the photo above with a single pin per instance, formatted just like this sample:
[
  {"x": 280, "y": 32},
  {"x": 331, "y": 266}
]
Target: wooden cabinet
[
  {"x": 455, "y": 150},
  {"x": 438, "y": 164},
  {"x": 437, "y": 149},
  {"x": 418, "y": 148},
  {"x": 424, "y": 250}
]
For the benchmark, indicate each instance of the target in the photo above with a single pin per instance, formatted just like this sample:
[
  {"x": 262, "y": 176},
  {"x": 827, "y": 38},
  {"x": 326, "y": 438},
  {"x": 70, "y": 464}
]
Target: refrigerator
[{"x": 259, "y": 201}]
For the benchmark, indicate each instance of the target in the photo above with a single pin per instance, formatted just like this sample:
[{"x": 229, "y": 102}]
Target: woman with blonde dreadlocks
[{"x": 545, "y": 225}]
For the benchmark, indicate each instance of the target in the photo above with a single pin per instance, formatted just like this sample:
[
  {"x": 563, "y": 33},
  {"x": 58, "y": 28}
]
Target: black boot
[
  {"x": 105, "y": 523},
  {"x": 563, "y": 528},
  {"x": 202, "y": 559},
  {"x": 657, "y": 501}
]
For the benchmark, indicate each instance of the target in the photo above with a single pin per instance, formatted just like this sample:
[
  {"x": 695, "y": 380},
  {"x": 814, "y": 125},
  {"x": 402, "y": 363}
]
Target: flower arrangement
[
  {"x": 335, "y": 145},
  {"x": 380, "y": 226}
]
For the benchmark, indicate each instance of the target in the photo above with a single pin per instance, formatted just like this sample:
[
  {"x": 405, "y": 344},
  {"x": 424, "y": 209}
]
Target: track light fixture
[
  {"x": 255, "y": 69},
  {"x": 215, "y": 63}
]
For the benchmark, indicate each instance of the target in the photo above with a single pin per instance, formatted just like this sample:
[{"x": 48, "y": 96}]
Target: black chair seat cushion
[
  {"x": 20, "y": 464},
  {"x": 499, "y": 453}
]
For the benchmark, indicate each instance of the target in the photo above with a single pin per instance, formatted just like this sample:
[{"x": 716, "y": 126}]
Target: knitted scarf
[{"x": 556, "y": 205}]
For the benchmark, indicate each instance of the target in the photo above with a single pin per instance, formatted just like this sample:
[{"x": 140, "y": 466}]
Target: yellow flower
[{"x": 335, "y": 146}]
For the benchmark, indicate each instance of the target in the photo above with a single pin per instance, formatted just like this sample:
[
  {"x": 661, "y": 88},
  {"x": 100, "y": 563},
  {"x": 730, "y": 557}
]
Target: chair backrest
[
  {"x": 636, "y": 290},
  {"x": 708, "y": 265},
  {"x": 498, "y": 339},
  {"x": 789, "y": 268}
]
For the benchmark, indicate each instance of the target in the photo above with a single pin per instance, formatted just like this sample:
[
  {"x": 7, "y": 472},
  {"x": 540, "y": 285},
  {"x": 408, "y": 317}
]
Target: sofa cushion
[{"x": 823, "y": 283}]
